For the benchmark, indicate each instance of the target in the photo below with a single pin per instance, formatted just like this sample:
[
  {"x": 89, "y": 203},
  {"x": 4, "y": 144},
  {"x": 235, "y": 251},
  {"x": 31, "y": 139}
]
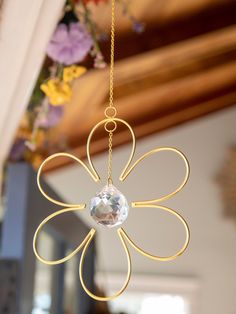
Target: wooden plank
[
  {"x": 164, "y": 13},
  {"x": 157, "y": 90},
  {"x": 151, "y": 75},
  {"x": 190, "y": 76},
  {"x": 158, "y": 125},
  {"x": 187, "y": 20}
]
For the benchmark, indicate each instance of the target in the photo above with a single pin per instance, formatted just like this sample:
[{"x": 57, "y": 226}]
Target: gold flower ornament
[{"x": 122, "y": 234}]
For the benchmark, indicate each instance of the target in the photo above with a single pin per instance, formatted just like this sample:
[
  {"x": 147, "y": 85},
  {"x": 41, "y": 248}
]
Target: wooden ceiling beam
[
  {"x": 153, "y": 126},
  {"x": 182, "y": 82},
  {"x": 160, "y": 33},
  {"x": 192, "y": 70}
]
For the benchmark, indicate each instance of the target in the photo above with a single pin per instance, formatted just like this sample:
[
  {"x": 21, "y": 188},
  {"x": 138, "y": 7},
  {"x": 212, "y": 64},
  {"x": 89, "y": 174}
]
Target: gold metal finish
[
  {"x": 151, "y": 152},
  {"x": 111, "y": 105},
  {"x": 69, "y": 256},
  {"x": 122, "y": 237},
  {"x": 110, "y": 125},
  {"x": 162, "y": 258},
  {"x": 92, "y": 173},
  {"x": 110, "y": 112},
  {"x": 99, "y": 124},
  {"x": 109, "y": 168},
  {"x": 121, "y": 233}
]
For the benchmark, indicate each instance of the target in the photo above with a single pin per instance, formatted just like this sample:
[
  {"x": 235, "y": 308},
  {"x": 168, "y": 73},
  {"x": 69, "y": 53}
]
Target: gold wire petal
[
  {"x": 160, "y": 258},
  {"x": 151, "y": 152},
  {"x": 105, "y": 121},
  {"x": 74, "y": 252},
  {"x": 92, "y": 173},
  {"x": 117, "y": 294}
]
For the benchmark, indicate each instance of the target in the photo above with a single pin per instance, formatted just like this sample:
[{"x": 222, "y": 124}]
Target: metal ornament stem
[
  {"x": 110, "y": 112},
  {"x": 110, "y": 124},
  {"x": 112, "y": 63},
  {"x": 109, "y": 171}
]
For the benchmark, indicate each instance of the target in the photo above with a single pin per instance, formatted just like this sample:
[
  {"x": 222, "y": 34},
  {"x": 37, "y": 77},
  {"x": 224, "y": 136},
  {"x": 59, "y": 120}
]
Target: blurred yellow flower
[
  {"x": 73, "y": 72},
  {"x": 57, "y": 91}
]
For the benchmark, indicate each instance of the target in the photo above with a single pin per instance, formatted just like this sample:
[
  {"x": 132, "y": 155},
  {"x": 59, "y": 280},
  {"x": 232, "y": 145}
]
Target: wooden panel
[
  {"x": 191, "y": 68},
  {"x": 151, "y": 127},
  {"x": 182, "y": 68},
  {"x": 161, "y": 32},
  {"x": 158, "y": 12},
  {"x": 155, "y": 90}
]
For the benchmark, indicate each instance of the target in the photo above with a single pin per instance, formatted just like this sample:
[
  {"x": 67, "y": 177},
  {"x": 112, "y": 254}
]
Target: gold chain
[
  {"x": 112, "y": 53},
  {"x": 109, "y": 175},
  {"x": 110, "y": 111}
]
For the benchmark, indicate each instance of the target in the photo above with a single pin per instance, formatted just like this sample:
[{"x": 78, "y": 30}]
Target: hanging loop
[
  {"x": 110, "y": 112},
  {"x": 110, "y": 126}
]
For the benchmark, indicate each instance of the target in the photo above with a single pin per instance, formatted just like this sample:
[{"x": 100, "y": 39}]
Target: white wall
[{"x": 211, "y": 256}]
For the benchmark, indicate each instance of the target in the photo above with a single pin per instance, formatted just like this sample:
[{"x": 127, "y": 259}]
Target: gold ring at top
[
  {"x": 110, "y": 112},
  {"x": 110, "y": 129}
]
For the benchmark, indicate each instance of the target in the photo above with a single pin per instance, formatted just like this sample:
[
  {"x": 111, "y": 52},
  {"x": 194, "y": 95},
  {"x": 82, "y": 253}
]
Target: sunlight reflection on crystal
[{"x": 109, "y": 207}]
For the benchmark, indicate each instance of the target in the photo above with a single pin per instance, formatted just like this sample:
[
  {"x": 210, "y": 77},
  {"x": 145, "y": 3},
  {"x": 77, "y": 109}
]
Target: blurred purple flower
[
  {"x": 69, "y": 43},
  {"x": 17, "y": 150},
  {"x": 138, "y": 27},
  {"x": 51, "y": 118}
]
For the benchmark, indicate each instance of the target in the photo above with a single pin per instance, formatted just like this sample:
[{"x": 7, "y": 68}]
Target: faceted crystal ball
[{"x": 109, "y": 207}]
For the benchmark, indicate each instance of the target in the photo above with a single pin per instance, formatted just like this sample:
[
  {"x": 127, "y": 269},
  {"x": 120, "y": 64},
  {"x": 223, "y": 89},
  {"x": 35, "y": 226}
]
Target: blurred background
[{"x": 175, "y": 83}]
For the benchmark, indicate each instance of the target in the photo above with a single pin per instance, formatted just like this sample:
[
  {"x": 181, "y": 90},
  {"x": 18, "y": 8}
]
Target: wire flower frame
[
  {"x": 110, "y": 125},
  {"x": 123, "y": 236}
]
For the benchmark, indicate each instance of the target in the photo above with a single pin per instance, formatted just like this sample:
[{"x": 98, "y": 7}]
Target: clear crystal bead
[{"x": 109, "y": 207}]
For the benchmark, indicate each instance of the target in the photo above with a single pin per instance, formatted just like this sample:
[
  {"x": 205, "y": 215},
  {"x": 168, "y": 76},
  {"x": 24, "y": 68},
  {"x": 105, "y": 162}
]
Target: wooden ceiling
[{"x": 181, "y": 68}]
